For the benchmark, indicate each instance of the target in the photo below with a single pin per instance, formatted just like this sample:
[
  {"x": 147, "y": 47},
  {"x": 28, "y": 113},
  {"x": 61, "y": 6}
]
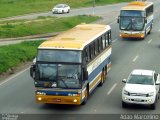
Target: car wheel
[
  {"x": 68, "y": 11},
  {"x": 153, "y": 106},
  {"x": 124, "y": 105}
]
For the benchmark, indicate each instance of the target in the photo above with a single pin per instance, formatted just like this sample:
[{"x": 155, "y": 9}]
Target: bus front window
[
  {"x": 59, "y": 75},
  {"x": 132, "y": 23},
  {"x": 60, "y": 68}
]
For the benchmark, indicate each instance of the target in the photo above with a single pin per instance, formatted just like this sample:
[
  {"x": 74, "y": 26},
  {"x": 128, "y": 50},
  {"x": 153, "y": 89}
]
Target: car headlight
[
  {"x": 150, "y": 94},
  {"x": 126, "y": 92}
]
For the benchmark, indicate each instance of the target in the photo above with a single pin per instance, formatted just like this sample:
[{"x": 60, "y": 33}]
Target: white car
[
  {"x": 142, "y": 87},
  {"x": 61, "y": 8}
]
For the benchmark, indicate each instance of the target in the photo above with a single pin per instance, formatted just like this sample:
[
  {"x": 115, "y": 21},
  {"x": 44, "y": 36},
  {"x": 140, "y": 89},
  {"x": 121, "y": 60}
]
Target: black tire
[
  {"x": 103, "y": 77},
  {"x": 153, "y": 106},
  {"x": 150, "y": 30},
  {"x": 86, "y": 97},
  {"x": 68, "y": 11},
  {"x": 144, "y": 35},
  {"x": 124, "y": 105}
]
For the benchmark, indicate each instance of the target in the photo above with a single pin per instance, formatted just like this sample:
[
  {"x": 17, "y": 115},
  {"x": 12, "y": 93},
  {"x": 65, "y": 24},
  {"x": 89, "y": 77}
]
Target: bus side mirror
[
  {"x": 85, "y": 75},
  {"x": 117, "y": 20},
  {"x": 145, "y": 21},
  {"x": 32, "y": 71}
]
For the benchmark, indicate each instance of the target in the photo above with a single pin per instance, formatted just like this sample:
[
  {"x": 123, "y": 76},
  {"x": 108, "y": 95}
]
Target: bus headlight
[
  {"x": 39, "y": 98},
  {"x": 75, "y": 100}
]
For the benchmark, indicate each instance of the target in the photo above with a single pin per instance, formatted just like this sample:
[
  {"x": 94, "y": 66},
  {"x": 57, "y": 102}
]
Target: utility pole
[{"x": 94, "y": 6}]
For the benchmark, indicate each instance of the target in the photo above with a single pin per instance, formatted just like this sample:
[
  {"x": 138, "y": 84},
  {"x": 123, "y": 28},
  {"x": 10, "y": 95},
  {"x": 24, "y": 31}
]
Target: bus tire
[
  {"x": 103, "y": 76},
  {"x": 150, "y": 30},
  {"x": 144, "y": 35},
  {"x": 86, "y": 96}
]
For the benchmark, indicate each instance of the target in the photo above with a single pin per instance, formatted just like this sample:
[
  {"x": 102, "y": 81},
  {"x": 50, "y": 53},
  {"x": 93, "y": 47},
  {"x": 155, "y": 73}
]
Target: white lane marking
[
  {"x": 114, "y": 40},
  {"x": 135, "y": 58},
  {"x": 112, "y": 88},
  {"x": 115, "y": 21},
  {"x": 5, "y": 81},
  {"x": 149, "y": 41}
]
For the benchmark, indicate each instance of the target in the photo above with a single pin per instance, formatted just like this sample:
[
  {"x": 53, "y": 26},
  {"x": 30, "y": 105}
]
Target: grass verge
[
  {"x": 20, "y": 28},
  {"x": 10, "y": 8},
  {"x": 12, "y": 55}
]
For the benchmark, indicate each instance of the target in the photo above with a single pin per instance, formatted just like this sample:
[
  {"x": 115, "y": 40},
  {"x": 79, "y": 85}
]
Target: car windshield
[
  {"x": 132, "y": 23},
  {"x": 59, "y": 6},
  {"x": 140, "y": 79}
]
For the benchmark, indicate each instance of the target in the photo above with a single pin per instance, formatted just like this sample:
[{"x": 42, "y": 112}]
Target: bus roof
[
  {"x": 137, "y": 5},
  {"x": 76, "y": 38}
]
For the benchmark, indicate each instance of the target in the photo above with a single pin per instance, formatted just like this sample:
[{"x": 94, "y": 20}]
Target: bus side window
[
  {"x": 96, "y": 46},
  {"x": 109, "y": 37},
  {"x": 92, "y": 50},
  {"x": 106, "y": 39},
  {"x": 103, "y": 42},
  {"x": 87, "y": 54},
  {"x": 99, "y": 44}
]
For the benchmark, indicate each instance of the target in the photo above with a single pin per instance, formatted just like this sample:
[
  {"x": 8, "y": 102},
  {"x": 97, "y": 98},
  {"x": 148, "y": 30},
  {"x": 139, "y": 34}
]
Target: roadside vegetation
[
  {"x": 20, "y": 28},
  {"x": 12, "y": 55},
  {"x": 10, "y": 8}
]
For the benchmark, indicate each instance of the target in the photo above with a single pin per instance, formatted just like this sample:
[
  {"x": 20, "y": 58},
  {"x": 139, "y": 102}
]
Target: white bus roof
[
  {"x": 137, "y": 5},
  {"x": 76, "y": 38}
]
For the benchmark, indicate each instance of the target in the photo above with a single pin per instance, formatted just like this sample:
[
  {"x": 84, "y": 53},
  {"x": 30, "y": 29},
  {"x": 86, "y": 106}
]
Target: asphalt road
[
  {"x": 97, "y": 10},
  {"x": 17, "y": 92}
]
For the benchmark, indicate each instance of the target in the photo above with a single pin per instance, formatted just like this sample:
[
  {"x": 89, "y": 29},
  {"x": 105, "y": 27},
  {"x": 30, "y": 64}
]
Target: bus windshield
[
  {"x": 59, "y": 75},
  {"x": 64, "y": 56},
  {"x": 132, "y": 23},
  {"x": 62, "y": 68}
]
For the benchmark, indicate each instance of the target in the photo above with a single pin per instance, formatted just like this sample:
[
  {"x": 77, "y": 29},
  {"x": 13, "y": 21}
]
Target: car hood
[
  {"x": 139, "y": 88},
  {"x": 57, "y": 8}
]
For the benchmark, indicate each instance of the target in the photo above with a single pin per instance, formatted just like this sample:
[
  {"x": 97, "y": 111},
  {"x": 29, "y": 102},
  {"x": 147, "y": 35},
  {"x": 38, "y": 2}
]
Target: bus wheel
[
  {"x": 150, "y": 30},
  {"x": 103, "y": 76},
  {"x": 86, "y": 97},
  {"x": 144, "y": 35}
]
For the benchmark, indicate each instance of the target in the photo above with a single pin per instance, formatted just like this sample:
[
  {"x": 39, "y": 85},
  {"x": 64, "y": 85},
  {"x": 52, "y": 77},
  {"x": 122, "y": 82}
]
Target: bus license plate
[{"x": 57, "y": 100}]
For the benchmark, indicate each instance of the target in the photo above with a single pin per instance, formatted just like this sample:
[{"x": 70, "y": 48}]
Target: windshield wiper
[
  {"x": 63, "y": 82},
  {"x": 129, "y": 25}
]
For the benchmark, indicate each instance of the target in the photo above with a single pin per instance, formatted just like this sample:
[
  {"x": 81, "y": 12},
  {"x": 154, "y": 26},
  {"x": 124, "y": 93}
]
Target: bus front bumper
[
  {"x": 126, "y": 35},
  {"x": 75, "y": 100}
]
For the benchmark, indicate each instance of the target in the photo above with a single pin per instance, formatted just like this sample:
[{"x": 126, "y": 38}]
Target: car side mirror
[
  {"x": 124, "y": 80},
  {"x": 158, "y": 82}
]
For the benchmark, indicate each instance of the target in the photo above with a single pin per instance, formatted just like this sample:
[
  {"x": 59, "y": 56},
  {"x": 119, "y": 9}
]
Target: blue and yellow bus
[
  {"x": 136, "y": 19},
  {"x": 72, "y": 64}
]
